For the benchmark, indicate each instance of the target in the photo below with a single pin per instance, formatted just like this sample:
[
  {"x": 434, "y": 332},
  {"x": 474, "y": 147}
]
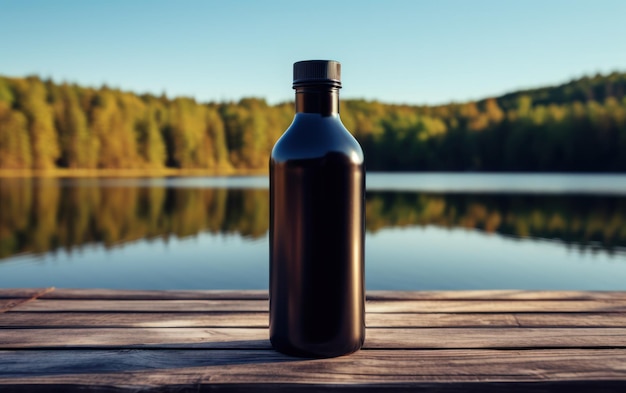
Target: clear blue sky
[{"x": 411, "y": 51}]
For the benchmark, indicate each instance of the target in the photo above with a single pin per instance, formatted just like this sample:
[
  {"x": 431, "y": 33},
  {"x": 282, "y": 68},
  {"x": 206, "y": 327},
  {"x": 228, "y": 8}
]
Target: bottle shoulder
[{"x": 314, "y": 136}]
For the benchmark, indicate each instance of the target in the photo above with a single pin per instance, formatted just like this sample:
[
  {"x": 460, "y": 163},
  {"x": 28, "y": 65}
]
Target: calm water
[{"x": 424, "y": 231}]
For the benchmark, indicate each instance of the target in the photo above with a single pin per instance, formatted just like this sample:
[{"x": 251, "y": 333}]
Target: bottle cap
[{"x": 317, "y": 72}]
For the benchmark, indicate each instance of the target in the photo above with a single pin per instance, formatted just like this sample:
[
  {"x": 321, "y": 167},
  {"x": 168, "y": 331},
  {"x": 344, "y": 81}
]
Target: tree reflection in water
[{"x": 41, "y": 215}]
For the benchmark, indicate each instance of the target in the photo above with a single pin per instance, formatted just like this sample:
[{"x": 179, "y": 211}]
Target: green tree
[
  {"x": 149, "y": 138},
  {"x": 77, "y": 147},
  {"x": 185, "y": 133},
  {"x": 15, "y": 150},
  {"x": 112, "y": 123},
  {"x": 32, "y": 101}
]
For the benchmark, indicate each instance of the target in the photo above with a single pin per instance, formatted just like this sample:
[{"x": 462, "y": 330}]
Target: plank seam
[
  {"x": 374, "y": 327},
  {"x": 174, "y": 347}
]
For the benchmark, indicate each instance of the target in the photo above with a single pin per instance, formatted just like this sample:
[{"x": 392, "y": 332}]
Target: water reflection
[
  {"x": 41, "y": 215},
  {"x": 585, "y": 222}
]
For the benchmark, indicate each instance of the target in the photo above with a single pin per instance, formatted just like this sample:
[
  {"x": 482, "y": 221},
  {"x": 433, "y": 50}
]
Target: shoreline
[{"x": 64, "y": 172}]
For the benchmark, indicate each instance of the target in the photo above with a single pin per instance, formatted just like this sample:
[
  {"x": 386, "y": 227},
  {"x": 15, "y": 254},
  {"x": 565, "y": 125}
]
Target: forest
[{"x": 579, "y": 126}]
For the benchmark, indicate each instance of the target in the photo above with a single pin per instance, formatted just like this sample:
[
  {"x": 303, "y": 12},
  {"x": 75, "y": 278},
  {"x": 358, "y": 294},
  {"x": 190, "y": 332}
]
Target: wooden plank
[
  {"x": 571, "y": 320},
  {"x": 231, "y": 338},
  {"x": 482, "y": 306},
  {"x": 496, "y": 295},
  {"x": 131, "y": 320},
  {"x": 18, "y": 293},
  {"x": 384, "y": 306},
  {"x": 504, "y": 320},
  {"x": 132, "y": 370},
  {"x": 255, "y": 338},
  {"x": 114, "y": 294},
  {"x": 73, "y": 305},
  {"x": 7, "y": 304},
  {"x": 260, "y": 319},
  {"x": 263, "y": 294},
  {"x": 11, "y": 304}
]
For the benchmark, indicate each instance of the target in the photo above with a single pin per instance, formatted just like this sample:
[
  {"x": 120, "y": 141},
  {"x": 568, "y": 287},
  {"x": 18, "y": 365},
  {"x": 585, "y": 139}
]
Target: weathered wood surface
[
  {"x": 374, "y": 306},
  {"x": 108, "y": 294},
  {"x": 260, "y": 319},
  {"x": 129, "y": 341}
]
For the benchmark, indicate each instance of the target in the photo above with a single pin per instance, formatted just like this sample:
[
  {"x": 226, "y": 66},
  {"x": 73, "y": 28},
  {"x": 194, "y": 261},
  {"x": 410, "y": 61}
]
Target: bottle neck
[{"x": 323, "y": 100}]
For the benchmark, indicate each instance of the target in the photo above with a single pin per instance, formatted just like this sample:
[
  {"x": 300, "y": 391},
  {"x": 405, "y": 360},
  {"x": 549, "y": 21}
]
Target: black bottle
[{"x": 317, "y": 182}]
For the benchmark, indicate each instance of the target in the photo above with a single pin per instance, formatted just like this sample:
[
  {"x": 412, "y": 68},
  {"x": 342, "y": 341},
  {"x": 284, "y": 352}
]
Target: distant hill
[
  {"x": 597, "y": 88},
  {"x": 577, "y": 126}
]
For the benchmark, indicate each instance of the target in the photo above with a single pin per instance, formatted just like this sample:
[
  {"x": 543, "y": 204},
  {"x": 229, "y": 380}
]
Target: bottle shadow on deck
[{"x": 34, "y": 363}]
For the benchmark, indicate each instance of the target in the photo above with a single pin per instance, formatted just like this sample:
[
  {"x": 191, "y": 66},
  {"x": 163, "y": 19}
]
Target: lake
[{"x": 425, "y": 231}]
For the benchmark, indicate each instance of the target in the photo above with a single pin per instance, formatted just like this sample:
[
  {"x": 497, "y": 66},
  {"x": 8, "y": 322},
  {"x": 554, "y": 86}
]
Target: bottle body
[{"x": 317, "y": 183}]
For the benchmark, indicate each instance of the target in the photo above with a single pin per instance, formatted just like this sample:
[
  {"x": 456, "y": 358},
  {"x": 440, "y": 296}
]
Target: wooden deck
[{"x": 190, "y": 341}]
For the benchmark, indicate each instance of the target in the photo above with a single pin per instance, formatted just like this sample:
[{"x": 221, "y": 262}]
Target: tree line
[
  {"x": 577, "y": 126},
  {"x": 68, "y": 218}
]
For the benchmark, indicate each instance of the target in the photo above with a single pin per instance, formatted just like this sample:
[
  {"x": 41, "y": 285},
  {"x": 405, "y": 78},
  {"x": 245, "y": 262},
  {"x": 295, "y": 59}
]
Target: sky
[{"x": 395, "y": 51}]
